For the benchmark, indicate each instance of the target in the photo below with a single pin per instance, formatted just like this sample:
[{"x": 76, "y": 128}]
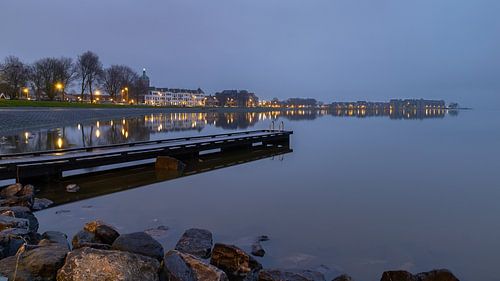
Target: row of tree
[{"x": 51, "y": 77}]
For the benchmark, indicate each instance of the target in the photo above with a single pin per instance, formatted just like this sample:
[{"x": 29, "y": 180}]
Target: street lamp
[
  {"x": 26, "y": 91},
  {"x": 59, "y": 87}
]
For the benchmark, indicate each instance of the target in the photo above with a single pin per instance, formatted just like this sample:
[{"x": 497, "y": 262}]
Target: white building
[{"x": 175, "y": 97}]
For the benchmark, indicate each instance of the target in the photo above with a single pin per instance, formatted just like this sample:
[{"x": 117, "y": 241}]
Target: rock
[
  {"x": 140, "y": 243},
  {"x": 103, "y": 233},
  {"x": 169, "y": 164},
  {"x": 184, "y": 267},
  {"x": 263, "y": 238},
  {"x": 7, "y": 265},
  {"x": 436, "y": 275},
  {"x": 39, "y": 263},
  {"x": 91, "y": 226},
  {"x": 290, "y": 275},
  {"x": 399, "y": 275},
  {"x": 56, "y": 237},
  {"x": 12, "y": 222},
  {"x": 24, "y": 213},
  {"x": 257, "y": 249},
  {"x": 72, "y": 188},
  {"x": 27, "y": 190},
  {"x": 81, "y": 238},
  {"x": 9, "y": 244},
  {"x": 158, "y": 231},
  {"x": 22, "y": 201},
  {"x": 10, "y": 190},
  {"x": 343, "y": 277},
  {"x": 106, "y": 234},
  {"x": 197, "y": 242},
  {"x": 234, "y": 261},
  {"x": 41, "y": 203},
  {"x": 93, "y": 264}
]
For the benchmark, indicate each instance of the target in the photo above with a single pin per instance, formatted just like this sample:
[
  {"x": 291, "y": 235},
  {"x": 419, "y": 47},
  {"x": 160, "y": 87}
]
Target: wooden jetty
[{"x": 43, "y": 165}]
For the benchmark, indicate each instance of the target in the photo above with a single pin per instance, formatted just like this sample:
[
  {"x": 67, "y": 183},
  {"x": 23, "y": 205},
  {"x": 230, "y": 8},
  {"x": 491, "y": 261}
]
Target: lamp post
[
  {"x": 26, "y": 91},
  {"x": 60, "y": 87}
]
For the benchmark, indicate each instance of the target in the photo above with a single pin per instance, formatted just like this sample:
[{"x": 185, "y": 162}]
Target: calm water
[{"x": 356, "y": 195}]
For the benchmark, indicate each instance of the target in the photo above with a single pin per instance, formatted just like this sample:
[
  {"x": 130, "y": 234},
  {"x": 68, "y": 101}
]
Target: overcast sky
[{"x": 326, "y": 49}]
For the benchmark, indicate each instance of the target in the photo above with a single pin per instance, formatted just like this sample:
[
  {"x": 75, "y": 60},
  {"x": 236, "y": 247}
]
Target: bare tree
[
  {"x": 88, "y": 69},
  {"x": 139, "y": 89},
  {"x": 112, "y": 80},
  {"x": 64, "y": 73},
  {"x": 14, "y": 75}
]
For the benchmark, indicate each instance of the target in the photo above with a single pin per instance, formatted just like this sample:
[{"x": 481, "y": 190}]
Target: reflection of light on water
[
  {"x": 97, "y": 124},
  {"x": 111, "y": 123},
  {"x": 126, "y": 135},
  {"x": 79, "y": 127},
  {"x": 97, "y": 133},
  {"x": 59, "y": 142}
]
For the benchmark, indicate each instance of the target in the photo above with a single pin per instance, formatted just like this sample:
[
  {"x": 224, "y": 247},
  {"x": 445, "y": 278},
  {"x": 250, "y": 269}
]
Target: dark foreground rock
[
  {"x": 197, "y": 242},
  {"x": 184, "y": 267},
  {"x": 290, "y": 275},
  {"x": 140, "y": 243},
  {"x": 235, "y": 262},
  {"x": 434, "y": 275},
  {"x": 87, "y": 264},
  {"x": 9, "y": 244},
  {"x": 55, "y": 237},
  {"x": 257, "y": 249},
  {"x": 10, "y": 190},
  {"x": 37, "y": 263}
]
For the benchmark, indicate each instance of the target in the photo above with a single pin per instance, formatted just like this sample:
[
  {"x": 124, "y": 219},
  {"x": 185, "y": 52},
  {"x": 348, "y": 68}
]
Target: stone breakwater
[{"x": 99, "y": 252}]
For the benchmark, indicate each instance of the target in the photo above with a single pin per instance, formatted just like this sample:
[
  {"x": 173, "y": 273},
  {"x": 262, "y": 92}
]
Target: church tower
[{"x": 145, "y": 78}]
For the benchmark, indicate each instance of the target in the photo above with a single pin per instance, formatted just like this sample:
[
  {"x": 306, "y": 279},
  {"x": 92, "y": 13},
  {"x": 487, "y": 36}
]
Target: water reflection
[{"x": 151, "y": 126}]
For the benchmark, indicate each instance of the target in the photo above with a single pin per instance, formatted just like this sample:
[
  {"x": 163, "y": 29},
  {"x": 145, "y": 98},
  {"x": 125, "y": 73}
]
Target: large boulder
[
  {"x": 87, "y": 264},
  {"x": 197, "y": 242},
  {"x": 140, "y": 243},
  {"x": 433, "y": 275},
  {"x": 106, "y": 234},
  {"x": 37, "y": 263},
  {"x": 23, "y": 213},
  {"x": 184, "y": 267},
  {"x": 9, "y": 244},
  {"x": 290, "y": 275},
  {"x": 235, "y": 262}
]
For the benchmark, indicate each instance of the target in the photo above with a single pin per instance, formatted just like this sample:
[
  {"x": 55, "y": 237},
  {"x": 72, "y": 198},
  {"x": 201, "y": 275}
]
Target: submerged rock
[
  {"x": 290, "y": 275},
  {"x": 197, "y": 242},
  {"x": 87, "y": 264},
  {"x": 235, "y": 262},
  {"x": 140, "y": 243},
  {"x": 433, "y": 275},
  {"x": 157, "y": 231},
  {"x": 257, "y": 249},
  {"x": 72, "y": 188},
  {"x": 343, "y": 277},
  {"x": 168, "y": 163},
  {"x": 184, "y": 267},
  {"x": 41, "y": 203}
]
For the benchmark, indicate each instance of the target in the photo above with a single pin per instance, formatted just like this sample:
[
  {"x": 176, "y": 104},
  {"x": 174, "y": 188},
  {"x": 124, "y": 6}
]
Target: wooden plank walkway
[{"x": 27, "y": 166}]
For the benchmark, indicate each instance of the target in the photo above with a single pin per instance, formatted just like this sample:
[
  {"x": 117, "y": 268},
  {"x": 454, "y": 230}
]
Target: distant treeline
[{"x": 49, "y": 78}]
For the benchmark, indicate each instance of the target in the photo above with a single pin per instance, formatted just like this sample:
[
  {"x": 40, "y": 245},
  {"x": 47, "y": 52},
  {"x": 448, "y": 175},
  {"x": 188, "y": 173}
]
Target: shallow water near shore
[{"x": 356, "y": 195}]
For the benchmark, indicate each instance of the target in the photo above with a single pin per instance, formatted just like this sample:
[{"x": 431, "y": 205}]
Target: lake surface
[{"x": 356, "y": 195}]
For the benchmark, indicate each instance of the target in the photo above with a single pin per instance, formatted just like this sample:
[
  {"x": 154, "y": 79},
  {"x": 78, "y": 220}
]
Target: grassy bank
[{"x": 27, "y": 103}]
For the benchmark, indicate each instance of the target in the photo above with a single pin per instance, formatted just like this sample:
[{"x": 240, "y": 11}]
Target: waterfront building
[
  {"x": 175, "y": 97},
  {"x": 236, "y": 98},
  {"x": 211, "y": 101}
]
